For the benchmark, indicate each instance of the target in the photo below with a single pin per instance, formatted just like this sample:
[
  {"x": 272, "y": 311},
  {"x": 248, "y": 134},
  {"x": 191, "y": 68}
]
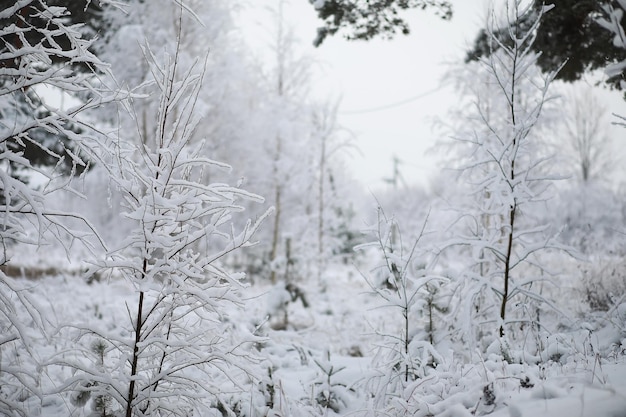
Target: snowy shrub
[
  {"x": 23, "y": 330},
  {"x": 457, "y": 389},
  {"x": 408, "y": 288},
  {"x": 603, "y": 283},
  {"x": 330, "y": 393},
  {"x": 588, "y": 224}
]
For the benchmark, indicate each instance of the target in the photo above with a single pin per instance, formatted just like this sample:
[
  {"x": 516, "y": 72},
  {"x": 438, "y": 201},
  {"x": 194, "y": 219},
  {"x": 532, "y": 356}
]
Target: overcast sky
[{"x": 390, "y": 90}]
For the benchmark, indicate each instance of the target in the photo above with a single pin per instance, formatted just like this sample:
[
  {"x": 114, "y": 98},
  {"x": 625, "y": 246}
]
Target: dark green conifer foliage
[
  {"x": 568, "y": 34},
  {"x": 375, "y": 18}
]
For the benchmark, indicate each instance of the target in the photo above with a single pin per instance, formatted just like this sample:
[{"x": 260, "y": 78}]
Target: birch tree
[
  {"x": 507, "y": 177},
  {"x": 588, "y": 145},
  {"x": 179, "y": 355}
]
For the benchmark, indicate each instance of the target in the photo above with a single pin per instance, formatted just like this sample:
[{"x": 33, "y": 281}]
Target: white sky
[
  {"x": 380, "y": 73},
  {"x": 377, "y": 73}
]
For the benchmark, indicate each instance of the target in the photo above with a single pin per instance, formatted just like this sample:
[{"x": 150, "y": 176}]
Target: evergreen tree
[
  {"x": 367, "y": 20},
  {"x": 570, "y": 34}
]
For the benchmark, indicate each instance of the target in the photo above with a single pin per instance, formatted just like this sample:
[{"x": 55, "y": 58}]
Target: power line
[{"x": 392, "y": 105}]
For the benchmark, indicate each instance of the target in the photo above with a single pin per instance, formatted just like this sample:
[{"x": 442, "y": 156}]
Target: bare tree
[
  {"x": 330, "y": 138},
  {"x": 588, "y": 145},
  {"x": 289, "y": 82}
]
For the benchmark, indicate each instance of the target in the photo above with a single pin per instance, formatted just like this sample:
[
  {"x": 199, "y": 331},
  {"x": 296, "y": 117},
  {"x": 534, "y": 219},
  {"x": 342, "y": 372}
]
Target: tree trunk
[{"x": 135, "y": 360}]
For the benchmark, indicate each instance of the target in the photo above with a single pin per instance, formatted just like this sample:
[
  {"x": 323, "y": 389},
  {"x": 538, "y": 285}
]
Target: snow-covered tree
[
  {"x": 43, "y": 56},
  {"x": 157, "y": 21},
  {"x": 180, "y": 355},
  {"x": 32, "y": 120},
  {"x": 569, "y": 38},
  {"x": 334, "y": 220},
  {"x": 585, "y": 144},
  {"x": 229, "y": 92},
  {"x": 611, "y": 20},
  {"x": 506, "y": 172},
  {"x": 284, "y": 166}
]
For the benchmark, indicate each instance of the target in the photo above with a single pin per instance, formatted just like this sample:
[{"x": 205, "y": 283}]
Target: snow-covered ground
[{"x": 319, "y": 360}]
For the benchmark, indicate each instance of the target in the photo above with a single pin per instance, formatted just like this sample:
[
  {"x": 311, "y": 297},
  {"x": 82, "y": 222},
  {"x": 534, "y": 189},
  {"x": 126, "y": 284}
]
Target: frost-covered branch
[{"x": 172, "y": 257}]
